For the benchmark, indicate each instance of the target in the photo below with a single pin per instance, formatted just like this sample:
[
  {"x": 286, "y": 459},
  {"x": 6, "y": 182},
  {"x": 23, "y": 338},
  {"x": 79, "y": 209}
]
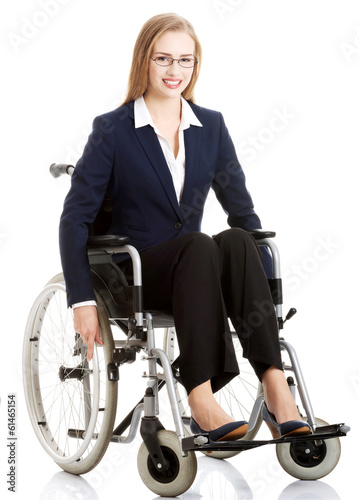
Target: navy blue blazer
[{"x": 128, "y": 165}]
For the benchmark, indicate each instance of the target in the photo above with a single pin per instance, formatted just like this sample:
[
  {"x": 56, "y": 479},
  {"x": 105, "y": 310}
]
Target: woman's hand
[{"x": 87, "y": 325}]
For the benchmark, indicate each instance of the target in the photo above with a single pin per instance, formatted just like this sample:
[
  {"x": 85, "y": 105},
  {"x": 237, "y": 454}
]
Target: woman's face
[{"x": 170, "y": 81}]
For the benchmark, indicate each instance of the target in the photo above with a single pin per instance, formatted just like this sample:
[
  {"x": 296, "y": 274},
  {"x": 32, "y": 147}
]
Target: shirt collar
[{"x": 142, "y": 115}]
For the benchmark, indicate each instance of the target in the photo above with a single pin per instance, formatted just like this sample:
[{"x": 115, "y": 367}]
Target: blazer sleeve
[
  {"x": 88, "y": 187},
  {"x": 229, "y": 184}
]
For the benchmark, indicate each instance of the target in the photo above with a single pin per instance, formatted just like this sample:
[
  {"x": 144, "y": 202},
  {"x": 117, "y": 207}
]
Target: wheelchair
[{"x": 72, "y": 403}]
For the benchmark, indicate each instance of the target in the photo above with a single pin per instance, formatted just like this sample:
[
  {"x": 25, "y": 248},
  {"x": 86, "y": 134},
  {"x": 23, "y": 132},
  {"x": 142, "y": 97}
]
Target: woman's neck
[{"x": 162, "y": 109}]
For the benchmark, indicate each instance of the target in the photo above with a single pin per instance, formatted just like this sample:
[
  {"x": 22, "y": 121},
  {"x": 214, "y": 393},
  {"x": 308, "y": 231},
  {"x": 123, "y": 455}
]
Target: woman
[{"x": 156, "y": 157}]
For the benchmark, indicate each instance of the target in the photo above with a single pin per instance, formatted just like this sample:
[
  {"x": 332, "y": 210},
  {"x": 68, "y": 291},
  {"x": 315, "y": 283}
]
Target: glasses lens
[
  {"x": 187, "y": 62},
  {"x": 184, "y": 62},
  {"x": 163, "y": 61}
]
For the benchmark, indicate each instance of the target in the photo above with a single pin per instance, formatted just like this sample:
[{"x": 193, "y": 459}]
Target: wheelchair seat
[{"x": 112, "y": 284}]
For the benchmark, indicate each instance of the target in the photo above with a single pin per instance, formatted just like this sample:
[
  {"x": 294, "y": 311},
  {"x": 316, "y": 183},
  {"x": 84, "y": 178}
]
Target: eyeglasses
[{"x": 185, "y": 62}]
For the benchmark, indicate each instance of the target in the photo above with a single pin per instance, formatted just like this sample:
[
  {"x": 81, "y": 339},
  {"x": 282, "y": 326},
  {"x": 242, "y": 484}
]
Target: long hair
[{"x": 149, "y": 34}]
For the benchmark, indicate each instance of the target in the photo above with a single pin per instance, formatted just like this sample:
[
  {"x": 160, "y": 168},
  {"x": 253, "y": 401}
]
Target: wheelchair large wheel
[
  {"x": 181, "y": 472},
  {"x": 236, "y": 398},
  {"x": 309, "y": 459},
  {"x": 71, "y": 402}
]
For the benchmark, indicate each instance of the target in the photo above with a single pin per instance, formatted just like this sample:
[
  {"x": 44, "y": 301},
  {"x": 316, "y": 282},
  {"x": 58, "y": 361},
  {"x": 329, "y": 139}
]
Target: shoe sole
[
  {"x": 302, "y": 431},
  {"x": 297, "y": 432},
  {"x": 236, "y": 434}
]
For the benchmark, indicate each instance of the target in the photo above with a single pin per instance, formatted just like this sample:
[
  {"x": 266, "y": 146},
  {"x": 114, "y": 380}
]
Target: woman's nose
[{"x": 173, "y": 69}]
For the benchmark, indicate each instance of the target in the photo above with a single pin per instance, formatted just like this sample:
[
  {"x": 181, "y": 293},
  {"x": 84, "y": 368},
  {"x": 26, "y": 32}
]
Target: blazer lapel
[{"x": 150, "y": 144}]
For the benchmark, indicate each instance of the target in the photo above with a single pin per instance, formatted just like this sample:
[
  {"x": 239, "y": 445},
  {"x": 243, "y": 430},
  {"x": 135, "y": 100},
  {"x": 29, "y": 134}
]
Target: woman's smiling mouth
[{"x": 171, "y": 83}]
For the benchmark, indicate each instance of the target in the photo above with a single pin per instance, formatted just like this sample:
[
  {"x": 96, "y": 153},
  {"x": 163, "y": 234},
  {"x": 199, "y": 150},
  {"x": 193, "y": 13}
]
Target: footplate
[{"x": 203, "y": 443}]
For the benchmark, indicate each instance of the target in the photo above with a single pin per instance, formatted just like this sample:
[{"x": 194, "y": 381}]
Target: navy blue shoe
[
  {"x": 227, "y": 432},
  {"x": 290, "y": 428}
]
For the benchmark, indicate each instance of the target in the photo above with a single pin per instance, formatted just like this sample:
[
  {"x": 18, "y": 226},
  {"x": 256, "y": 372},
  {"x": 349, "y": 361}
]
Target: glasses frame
[{"x": 172, "y": 59}]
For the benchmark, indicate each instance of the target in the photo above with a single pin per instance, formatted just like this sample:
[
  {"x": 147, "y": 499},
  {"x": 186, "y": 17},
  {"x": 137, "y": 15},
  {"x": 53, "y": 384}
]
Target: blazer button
[{"x": 178, "y": 225}]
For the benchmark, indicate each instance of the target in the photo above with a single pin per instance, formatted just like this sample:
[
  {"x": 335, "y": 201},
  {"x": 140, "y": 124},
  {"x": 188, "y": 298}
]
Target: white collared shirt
[{"x": 176, "y": 165}]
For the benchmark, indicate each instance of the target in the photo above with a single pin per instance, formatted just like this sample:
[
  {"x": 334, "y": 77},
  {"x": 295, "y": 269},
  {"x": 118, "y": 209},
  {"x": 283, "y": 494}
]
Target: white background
[{"x": 261, "y": 59}]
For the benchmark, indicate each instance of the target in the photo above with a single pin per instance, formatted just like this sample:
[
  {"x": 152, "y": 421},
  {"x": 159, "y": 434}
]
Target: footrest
[
  {"x": 202, "y": 441},
  {"x": 332, "y": 429}
]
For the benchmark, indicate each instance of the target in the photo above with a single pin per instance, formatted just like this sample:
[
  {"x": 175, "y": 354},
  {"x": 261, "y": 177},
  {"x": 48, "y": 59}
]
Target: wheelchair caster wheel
[
  {"x": 309, "y": 459},
  {"x": 181, "y": 472}
]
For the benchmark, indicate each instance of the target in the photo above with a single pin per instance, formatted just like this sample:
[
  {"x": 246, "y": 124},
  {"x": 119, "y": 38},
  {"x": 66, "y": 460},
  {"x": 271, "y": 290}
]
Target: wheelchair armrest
[
  {"x": 260, "y": 234},
  {"x": 107, "y": 240}
]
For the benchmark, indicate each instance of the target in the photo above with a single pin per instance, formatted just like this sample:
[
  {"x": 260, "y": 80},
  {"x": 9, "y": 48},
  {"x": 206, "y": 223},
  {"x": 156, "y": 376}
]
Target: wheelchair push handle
[{"x": 58, "y": 169}]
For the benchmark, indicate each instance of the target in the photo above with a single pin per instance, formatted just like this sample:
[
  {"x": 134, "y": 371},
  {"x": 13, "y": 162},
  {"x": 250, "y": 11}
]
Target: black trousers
[{"x": 202, "y": 281}]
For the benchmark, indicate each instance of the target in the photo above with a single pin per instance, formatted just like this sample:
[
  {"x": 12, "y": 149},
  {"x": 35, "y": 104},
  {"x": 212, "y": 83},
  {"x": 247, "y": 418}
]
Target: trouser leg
[
  {"x": 203, "y": 281},
  {"x": 248, "y": 299},
  {"x": 183, "y": 276}
]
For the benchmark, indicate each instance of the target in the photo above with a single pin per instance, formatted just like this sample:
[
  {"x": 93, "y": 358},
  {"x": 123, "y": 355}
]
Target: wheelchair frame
[
  {"x": 140, "y": 334},
  {"x": 155, "y": 353}
]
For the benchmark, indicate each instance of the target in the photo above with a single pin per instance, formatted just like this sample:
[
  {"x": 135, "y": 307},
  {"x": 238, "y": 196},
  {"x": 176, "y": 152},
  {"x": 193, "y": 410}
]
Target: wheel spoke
[{"x": 65, "y": 390}]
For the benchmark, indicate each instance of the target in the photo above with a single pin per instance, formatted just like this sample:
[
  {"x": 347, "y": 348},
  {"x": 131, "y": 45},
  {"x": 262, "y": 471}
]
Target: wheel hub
[
  {"x": 70, "y": 373},
  {"x": 308, "y": 453},
  {"x": 171, "y": 473}
]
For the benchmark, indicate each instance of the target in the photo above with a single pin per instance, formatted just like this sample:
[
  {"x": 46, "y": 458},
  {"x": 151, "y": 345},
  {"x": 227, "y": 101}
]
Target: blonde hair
[{"x": 149, "y": 34}]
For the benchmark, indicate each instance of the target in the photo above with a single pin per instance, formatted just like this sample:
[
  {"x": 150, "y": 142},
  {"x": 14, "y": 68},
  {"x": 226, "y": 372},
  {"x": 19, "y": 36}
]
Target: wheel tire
[
  {"x": 181, "y": 473},
  {"x": 58, "y": 402},
  {"x": 309, "y": 460},
  {"x": 246, "y": 385}
]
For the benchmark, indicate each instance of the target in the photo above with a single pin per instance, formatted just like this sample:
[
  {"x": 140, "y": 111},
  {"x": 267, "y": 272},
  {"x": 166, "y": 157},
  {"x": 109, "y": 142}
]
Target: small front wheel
[
  {"x": 181, "y": 473},
  {"x": 309, "y": 459}
]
